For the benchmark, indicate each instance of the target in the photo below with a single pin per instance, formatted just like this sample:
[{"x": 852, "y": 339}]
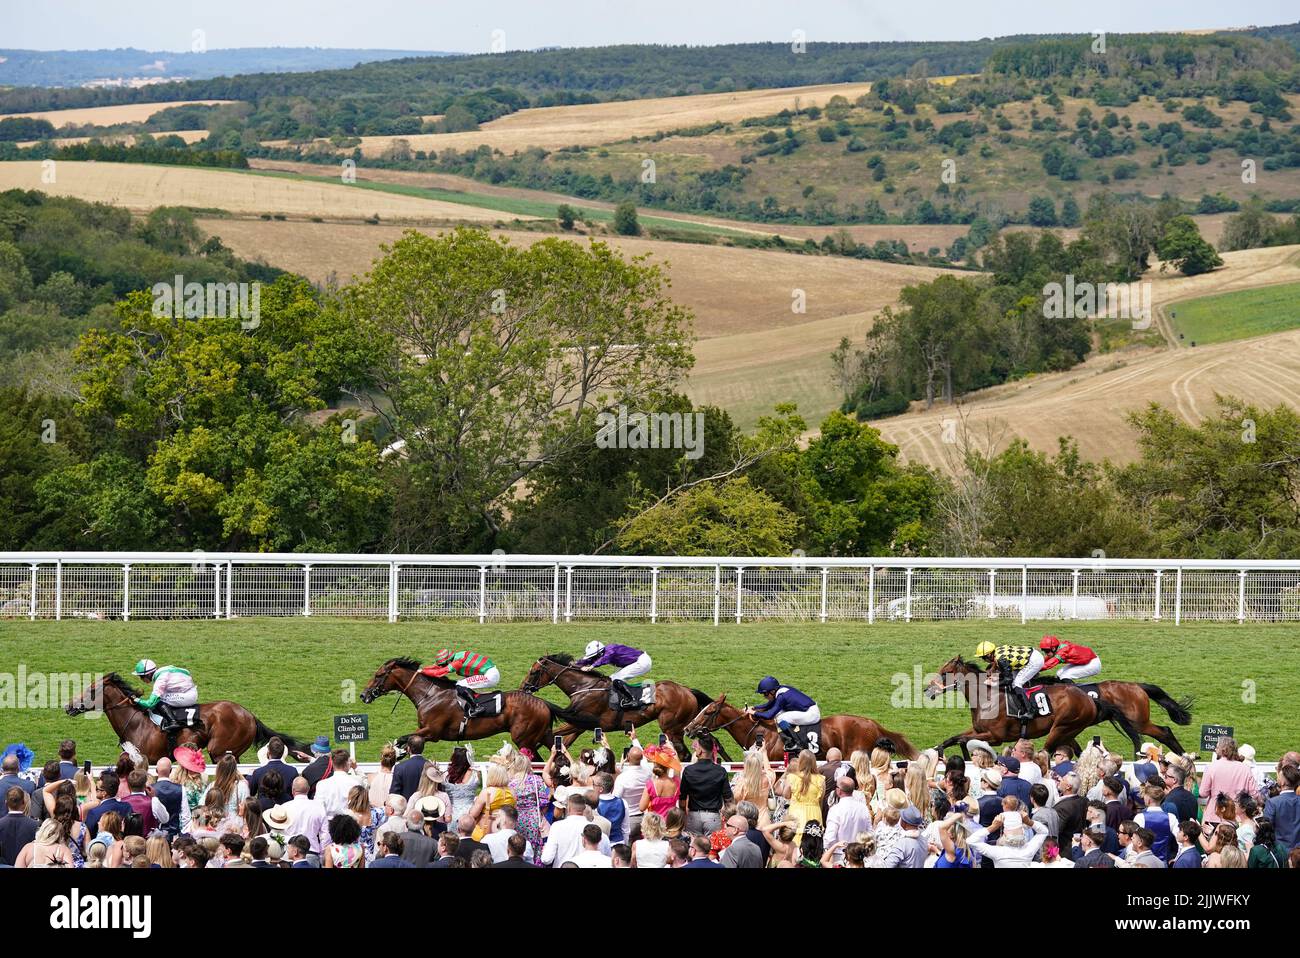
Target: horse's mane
[
  {"x": 974, "y": 666},
  {"x": 559, "y": 658},
  {"x": 113, "y": 678},
  {"x": 405, "y": 662}
]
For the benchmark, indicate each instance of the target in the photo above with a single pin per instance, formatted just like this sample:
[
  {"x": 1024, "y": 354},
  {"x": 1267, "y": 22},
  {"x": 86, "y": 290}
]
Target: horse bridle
[
  {"x": 544, "y": 660},
  {"x": 725, "y": 725}
]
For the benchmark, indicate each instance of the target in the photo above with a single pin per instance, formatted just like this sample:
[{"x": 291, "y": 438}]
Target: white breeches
[
  {"x": 481, "y": 683},
  {"x": 640, "y": 667},
  {"x": 1032, "y": 668},
  {"x": 1076, "y": 672}
]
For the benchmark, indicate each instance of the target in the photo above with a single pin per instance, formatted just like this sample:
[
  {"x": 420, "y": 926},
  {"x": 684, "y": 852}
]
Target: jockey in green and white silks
[{"x": 173, "y": 688}]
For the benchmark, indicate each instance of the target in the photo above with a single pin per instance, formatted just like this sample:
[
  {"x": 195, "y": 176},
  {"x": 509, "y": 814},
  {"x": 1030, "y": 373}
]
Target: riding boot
[
  {"x": 469, "y": 701},
  {"x": 1021, "y": 698},
  {"x": 170, "y": 723},
  {"x": 626, "y": 697},
  {"x": 787, "y": 737}
]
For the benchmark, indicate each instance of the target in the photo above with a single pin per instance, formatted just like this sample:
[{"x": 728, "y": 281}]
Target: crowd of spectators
[{"x": 1013, "y": 808}]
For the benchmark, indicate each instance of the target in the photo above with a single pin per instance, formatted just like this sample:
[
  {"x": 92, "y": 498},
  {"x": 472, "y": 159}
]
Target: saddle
[
  {"x": 1091, "y": 689},
  {"x": 1040, "y": 703},
  {"x": 487, "y": 705},
  {"x": 801, "y": 737},
  {"x": 639, "y": 697},
  {"x": 183, "y": 717}
]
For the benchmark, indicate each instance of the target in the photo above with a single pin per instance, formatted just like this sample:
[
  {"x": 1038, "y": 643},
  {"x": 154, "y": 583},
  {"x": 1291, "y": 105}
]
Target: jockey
[
  {"x": 788, "y": 706},
  {"x": 1024, "y": 660},
  {"x": 477, "y": 673},
  {"x": 1076, "y": 661},
  {"x": 172, "y": 688},
  {"x": 631, "y": 663}
]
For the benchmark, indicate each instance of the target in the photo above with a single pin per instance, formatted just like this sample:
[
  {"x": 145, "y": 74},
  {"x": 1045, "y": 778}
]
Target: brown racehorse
[
  {"x": 526, "y": 717},
  {"x": 1134, "y": 700},
  {"x": 848, "y": 733},
  {"x": 588, "y": 692},
  {"x": 223, "y": 726},
  {"x": 1072, "y": 710}
]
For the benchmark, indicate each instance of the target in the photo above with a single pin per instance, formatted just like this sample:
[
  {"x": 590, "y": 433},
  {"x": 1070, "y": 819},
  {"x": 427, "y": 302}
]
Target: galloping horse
[
  {"x": 848, "y": 733},
  {"x": 588, "y": 693},
  {"x": 526, "y": 717},
  {"x": 1071, "y": 710},
  {"x": 223, "y": 726},
  {"x": 1134, "y": 700}
]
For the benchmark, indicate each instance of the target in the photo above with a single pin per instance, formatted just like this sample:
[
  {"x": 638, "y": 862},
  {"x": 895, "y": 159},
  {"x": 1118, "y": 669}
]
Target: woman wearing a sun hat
[{"x": 188, "y": 774}]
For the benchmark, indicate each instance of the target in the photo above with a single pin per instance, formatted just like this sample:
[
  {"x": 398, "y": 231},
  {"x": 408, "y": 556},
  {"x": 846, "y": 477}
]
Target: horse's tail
[
  {"x": 264, "y": 733},
  {"x": 1109, "y": 712},
  {"x": 1180, "y": 712},
  {"x": 570, "y": 716},
  {"x": 901, "y": 746},
  {"x": 702, "y": 701}
]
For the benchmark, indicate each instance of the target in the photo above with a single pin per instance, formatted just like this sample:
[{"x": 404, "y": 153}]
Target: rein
[{"x": 544, "y": 662}]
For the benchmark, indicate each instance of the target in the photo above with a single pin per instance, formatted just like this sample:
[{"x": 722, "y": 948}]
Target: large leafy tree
[
  {"x": 494, "y": 356},
  {"x": 1182, "y": 245},
  {"x": 204, "y": 438}
]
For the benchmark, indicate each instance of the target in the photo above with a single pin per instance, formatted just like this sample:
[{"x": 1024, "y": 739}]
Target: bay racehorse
[
  {"x": 223, "y": 726},
  {"x": 1071, "y": 710},
  {"x": 588, "y": 692},
  {"x": 848, "y": 733},
  {"x": 1134, "y": 700},
  {"x": 440, "y": 713}
]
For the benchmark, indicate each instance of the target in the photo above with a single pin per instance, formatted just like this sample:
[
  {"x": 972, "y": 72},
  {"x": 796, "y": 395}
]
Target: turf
[
  {"x": 297, "y": 675},
  {"x": 1239, "y": 315}
]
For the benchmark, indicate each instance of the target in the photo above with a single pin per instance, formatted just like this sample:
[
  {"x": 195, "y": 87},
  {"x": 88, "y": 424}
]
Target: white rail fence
[{"x": 565, "y": 588}]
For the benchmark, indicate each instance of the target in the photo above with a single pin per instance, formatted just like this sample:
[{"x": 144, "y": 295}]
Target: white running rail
[{"x": 565, "y": 588}]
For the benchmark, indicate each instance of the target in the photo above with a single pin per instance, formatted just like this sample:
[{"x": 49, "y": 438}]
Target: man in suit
[
  {"x": 17, "y": 828},
  {"x": 515, "y": 846},
  {"x": 11, "y": 779},
  {"x": 447, "y": 846},
  {"x": 741, "y": 853},
  {"x": 169, "y": 794},
  {"x": 417, "y": 848},
  {"x": 389, "y": 854},
  {"x": 830, "y": 773},
  {"x": 406, "y": 773},
  {"x": 67, "y": 763},
  {"x": 1140, "y": 852},
  {"x": 1071, "y": 809},
  {"x": 1184, "y": 802},
  {"x": 1088, "y": 852},
  {"x": 320, "y": 767},
  {"x": 1188, "y": 853},
  {"x": 1012, "y": 783},
  {"x": 466, "y": 846},
  {"x": 274, "y": 762},
  {"x": 108, "y": 802}
]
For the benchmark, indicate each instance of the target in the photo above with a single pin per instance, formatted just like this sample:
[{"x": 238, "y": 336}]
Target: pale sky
[{"x": 529, "y": 24}]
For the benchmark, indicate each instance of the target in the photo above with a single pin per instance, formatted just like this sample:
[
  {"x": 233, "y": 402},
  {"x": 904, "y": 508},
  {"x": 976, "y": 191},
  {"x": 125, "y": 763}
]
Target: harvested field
[
  {"x": 109, "y": 115},
  {"x": 141, "y": 187},
  {"x": 189, "y": 136}
]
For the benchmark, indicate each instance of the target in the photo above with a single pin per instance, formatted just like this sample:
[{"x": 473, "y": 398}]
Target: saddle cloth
[
  {"x": 188, "y": 715},
  {"x": 647, "y": 696},
  {"x": 808, "y": 737}
]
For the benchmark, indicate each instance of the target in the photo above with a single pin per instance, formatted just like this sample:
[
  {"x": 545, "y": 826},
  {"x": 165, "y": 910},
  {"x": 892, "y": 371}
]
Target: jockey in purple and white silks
[{"x": 630, "y": 664}]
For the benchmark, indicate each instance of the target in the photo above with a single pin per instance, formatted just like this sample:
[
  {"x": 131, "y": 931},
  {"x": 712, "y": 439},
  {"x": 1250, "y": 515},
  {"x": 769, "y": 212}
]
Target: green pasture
[
  {"x": 297, "y": 674},
  {"x": 1239, "y": 315}
]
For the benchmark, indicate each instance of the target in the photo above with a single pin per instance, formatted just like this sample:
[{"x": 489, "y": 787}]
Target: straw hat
[
  {"x": 276, "y": 818},
  {"x": 432, "y": 807}
]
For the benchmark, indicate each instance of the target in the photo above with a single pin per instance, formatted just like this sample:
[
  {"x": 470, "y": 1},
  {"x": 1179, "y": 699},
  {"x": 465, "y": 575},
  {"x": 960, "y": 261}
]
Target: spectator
[
  {"x": 1184, "y": 802},
  {"x": 1012, "y": 783},
  {"x": 169, "y": 795},
  {"x": 229, "y": 785},
  {"x": 381, "y": 782},
  {"x": 651, "y": 851},
  {"x": 663, "y": 787},
  {"x": 1163, "y": 825},
  {"x": 564, "y": 841},
  {"x": 419, "y": 844},
  {"x": 1140, "y": 854},
  {"x": 803, "y": 787},
  {"x": 1038, "y": 799},
  {"x": 306, "y": 818},
  {"x": 629, "y": 786},
  {"x": 990, "y": 800},
  {"x": 741, "y": 852},
  {"x": 1188, "y": 853},
  {"x": 188, "y": 773},
  {"x": 679, "y": 853},
  {"x": 504, "y": 825},
  {"x": 620, "y": 856},
  {"x": 1283, "y": 809},
  {"x": 1051, "y": 856},
  {"x": 1214, "y": 841},
  {"x": 1114, "y": 794},
  {"x": 368, "y": 819},
  {"x": 408, "y": 773},
  {"x": 152, "y": 812},
  {"x": 447, "y": 845},
  {"x": 467, "y": 845},
  {"x": 910, "y": 850},
  {"x": 612, "y": 807},
  {"x": 530, "y": 796},
  {"x": 158, "y": 851},
  {"x": 1089, "y": 848},
  {"x": 229, "y": 850},
  {"x": 698, "y": 853},
  {"x": 462, "y": 784},
  {"x": 108, "y": 802},
  {"x": 1227, "y": 775},
  {"x": 1266, "y": 851},
  {"x": 274, "y": 762},
  {"x": 9, "y": 778},
  {"x": 517, "y": 856},
  {"x": 1029, "y": 770},
  {"x": 46, "y": 849},
  {"x": 590, "y": 855},
  {"x": 389, "y": 852},
  {"x": 17, "y": 828},
  {"x": 333, "y": 791},
  {"x": 705, "y": 788},
  {"x": 848, "y": 817},
  {"x": 753, "y": 817},
  {"x": 344, "y": 849},
  {"x": 321, "y": 766},
  {"x": 496, "y": 794},
  {"x": 953, "y": 851}
]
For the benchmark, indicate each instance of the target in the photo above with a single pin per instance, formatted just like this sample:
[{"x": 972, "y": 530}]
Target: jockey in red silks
[{"x": 1076, "y": 661}]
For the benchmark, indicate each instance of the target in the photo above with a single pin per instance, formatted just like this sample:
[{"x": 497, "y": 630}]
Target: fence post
[
  {"x": 568, "y": 593},
  {"x": 392, "y": 592},
  {"x": 1024, "y": 592},
  {"x": 1159, "y": 573},
  {"x": 58, "y": 590},
  {"x": 907, "y": 595},
  {"x": 871, "y": 595},
  {"x": 126, "y": 591},
  {"x": 482, "y": 594},
  {"x": 230, "y": 588},
  {"x": 306, "y": 588},
  {"x": 32, "y": 608},
  {"x": 555, "y": 595},
  {"x": 740, "y": 572},
  {"x": 216, "y": 590},
  {"x": 1178, "y": 597},
  {"x": 654, "y": 595},
  {"x": 717, "y": 592},
  {"x": 1074, "y": 609},
  {"x": 825, "y": 573},
  {"x": 993, "y": 590},
  {"x": 1241, "y": 596}
]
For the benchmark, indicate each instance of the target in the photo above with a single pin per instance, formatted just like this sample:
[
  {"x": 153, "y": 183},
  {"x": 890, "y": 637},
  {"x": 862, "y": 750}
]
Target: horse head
[
  {"x": 708, "y": 719},
  {"x": 93, "y": 697},
  {"x": 545, "y": 671},
  {"x": 949, "y": 677},
  {"x": 386, "y": 678}
]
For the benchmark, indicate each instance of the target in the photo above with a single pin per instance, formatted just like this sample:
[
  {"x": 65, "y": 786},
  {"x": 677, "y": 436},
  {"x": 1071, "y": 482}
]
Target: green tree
[
  {"x": 1070, "y": 215},
  {"x": 566, "y": 216},
  {"x": 625, "y": 221},
  {"x": 1183, "y": 245},
  {"x": 1042, "y": 211},
  {"x": 731, "y": 518}
]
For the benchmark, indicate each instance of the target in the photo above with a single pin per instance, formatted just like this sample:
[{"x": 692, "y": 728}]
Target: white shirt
[
  {"x": 630, "y": 786},
  {"x": 332, "y": 792},
  {"x": 847, "y": 818},
  {"x": 1009, "y": 856},
  {"x": 564, "y": 841},
  {"x": 588, "y": 858},
  {"x": 495, "y": 842},
  {"x": 160, "y": 810},
  {"x": 651, "y": 854},
  {"x": 1030, "y": 772}
]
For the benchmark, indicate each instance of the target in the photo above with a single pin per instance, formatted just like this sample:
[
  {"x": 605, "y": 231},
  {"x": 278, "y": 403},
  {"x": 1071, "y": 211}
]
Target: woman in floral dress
[{"x": 530, "y": 794}]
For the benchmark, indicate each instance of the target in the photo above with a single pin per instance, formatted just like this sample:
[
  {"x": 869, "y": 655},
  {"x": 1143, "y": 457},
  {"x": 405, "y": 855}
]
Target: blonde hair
[
  {"x": 805, "y": 767},
  {"x": 83, "y": 783},
  {"x": 652, "y": 826},
  {"x": 95, "y": 856},
  {"x": 879, "y": 761},
  {"x": 1232, "y": 856},
  {"x": 496, "y": 776},
  {"x": 917, "y": 785},
  {"x": 752, "y": 779},
  {"x": 861, "y": 762},
  {"x": 159, "y": 852}
]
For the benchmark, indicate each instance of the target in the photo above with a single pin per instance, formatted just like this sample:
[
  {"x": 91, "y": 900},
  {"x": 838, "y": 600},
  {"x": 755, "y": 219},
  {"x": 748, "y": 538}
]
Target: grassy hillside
[
  {"x": 297, "y": 675},
  {"x": 1251, "y": 312}
]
